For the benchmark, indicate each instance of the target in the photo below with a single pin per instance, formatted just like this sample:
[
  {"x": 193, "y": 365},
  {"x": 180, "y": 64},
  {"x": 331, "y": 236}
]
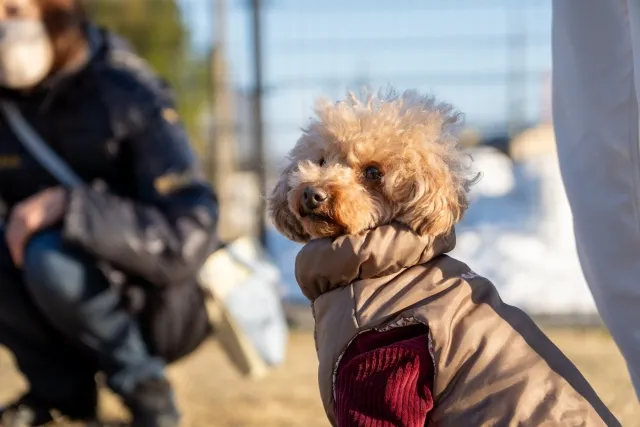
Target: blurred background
[{"x": 246, "y": 73}]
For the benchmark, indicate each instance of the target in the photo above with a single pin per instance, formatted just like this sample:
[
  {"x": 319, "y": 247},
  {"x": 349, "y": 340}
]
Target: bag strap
[
  {"x": 38, "y": 148},
  {"x": 44, "y": 155}
]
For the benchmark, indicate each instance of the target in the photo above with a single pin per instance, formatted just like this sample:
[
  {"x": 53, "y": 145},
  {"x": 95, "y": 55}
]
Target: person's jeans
[{"x": 63, "y": 322}]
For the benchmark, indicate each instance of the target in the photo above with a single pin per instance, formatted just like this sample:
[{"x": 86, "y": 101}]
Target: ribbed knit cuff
[{"x": 386, "y": 387}]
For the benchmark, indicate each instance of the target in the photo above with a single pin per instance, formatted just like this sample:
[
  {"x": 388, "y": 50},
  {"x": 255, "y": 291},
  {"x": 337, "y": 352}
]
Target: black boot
[
  {"x": 31, "y": 411},
  {"x": 152, "y": 404}
]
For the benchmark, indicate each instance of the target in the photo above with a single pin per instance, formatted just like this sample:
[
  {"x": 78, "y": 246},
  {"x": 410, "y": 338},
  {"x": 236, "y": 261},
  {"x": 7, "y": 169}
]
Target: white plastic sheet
[{"x": 247, "y": 284}]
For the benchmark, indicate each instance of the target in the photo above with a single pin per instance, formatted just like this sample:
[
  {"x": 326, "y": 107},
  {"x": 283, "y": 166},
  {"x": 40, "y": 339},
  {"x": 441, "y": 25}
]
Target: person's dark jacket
[{"x": 146, "y": 210}]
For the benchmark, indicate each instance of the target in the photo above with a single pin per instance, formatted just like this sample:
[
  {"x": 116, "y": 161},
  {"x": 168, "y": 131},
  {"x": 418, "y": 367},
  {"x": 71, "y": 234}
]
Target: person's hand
[{"x": 36, "y": 213}]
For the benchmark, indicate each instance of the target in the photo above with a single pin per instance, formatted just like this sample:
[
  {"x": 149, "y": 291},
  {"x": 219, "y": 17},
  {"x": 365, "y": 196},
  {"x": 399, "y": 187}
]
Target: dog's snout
[{"x": 314, "y": 197}]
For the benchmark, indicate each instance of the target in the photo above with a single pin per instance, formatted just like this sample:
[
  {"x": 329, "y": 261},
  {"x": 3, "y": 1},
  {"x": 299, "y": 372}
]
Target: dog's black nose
[{"x": 314, "y": 197}]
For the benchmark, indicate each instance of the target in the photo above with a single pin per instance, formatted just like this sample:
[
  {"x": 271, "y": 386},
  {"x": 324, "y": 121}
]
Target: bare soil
[{"x": 212, "y": 394}]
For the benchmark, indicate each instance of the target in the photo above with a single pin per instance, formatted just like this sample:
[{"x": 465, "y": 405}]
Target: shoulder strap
[{"x": 39, "y": 149}]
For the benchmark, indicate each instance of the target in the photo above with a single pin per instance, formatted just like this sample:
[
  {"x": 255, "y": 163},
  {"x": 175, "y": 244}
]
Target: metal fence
[{"x": 488, "y": 57}]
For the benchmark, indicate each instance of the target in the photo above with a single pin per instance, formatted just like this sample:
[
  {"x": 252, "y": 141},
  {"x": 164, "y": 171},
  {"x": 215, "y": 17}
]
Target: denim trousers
[{"x": 63, "y": 322}]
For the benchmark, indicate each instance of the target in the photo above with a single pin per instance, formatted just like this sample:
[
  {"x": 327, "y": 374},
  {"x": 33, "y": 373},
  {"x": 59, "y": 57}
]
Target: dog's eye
[
  {"x": 321, "y": 162},
  {"x": 372, "y": 173}
]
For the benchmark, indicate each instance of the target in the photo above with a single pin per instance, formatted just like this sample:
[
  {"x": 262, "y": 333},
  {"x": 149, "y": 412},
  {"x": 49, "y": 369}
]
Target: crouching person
[{"x": 99, "y": 278}]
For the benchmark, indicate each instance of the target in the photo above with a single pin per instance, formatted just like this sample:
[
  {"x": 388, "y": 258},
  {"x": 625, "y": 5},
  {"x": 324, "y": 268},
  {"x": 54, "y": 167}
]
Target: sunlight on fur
[{"x": 366, "y": 161}]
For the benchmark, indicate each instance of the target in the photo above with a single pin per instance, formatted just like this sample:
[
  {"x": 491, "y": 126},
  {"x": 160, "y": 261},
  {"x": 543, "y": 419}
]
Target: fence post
[
  {"x": 260, "y": 162},
  {"x": 224, "y": 164}
]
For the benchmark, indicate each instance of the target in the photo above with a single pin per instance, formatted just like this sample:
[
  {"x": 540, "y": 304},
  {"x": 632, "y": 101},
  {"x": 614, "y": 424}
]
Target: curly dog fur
[{"x": 375, "y": 159}]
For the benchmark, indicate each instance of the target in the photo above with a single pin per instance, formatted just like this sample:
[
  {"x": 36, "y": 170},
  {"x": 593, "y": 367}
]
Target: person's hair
[{"x": 65, "y": 21}]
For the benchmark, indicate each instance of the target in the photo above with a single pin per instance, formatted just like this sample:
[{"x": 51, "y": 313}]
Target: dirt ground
[{"x": 211, "y": 394}]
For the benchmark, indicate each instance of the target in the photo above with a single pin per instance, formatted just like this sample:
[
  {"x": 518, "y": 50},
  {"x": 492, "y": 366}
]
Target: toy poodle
[{"x": 362, "y": 164}]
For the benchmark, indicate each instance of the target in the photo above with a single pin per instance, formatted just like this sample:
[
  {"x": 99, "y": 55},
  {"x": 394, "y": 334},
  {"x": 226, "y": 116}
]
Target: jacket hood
[{"x": 329, "y": 263}]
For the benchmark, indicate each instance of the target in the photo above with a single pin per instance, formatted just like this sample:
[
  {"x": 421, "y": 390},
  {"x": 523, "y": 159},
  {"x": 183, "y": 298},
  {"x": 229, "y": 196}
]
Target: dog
[
  {"x": 405, "y": 334},
  {"x": 362, "y": 164}
]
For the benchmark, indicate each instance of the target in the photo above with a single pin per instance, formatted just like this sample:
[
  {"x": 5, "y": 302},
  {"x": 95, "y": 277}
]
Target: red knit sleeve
[{"x": 384, "y": 380}]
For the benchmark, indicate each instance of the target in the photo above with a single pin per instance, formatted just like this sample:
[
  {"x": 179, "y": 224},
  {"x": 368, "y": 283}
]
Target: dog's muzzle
[{"x": 313, "y": 198}]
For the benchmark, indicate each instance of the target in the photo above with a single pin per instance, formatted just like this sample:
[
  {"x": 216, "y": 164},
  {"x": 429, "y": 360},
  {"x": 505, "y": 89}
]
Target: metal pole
[
  {"x": 258, "y": 125},
  {"x": 516, "y": 16},
  {"x": 224, "y": 161},
  {"x": 220, "y": 19},
  {"x": 224, "y": 145}
]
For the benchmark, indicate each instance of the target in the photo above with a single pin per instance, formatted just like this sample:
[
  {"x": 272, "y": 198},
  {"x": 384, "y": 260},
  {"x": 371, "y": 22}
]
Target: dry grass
[{"x": 211, "y": 394}]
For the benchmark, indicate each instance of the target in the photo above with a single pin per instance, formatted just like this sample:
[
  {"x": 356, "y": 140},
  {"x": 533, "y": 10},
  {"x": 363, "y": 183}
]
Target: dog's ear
[
  {"x": 282, "y": 217},
  {"x": 438, "y": 204}
]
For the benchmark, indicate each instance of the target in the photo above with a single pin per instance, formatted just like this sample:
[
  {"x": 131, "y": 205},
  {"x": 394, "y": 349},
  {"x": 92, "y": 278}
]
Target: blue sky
[{"x": 455, "y": 49}]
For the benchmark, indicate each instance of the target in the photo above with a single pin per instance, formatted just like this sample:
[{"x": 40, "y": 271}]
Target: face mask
[{"x": 26, "y": 53}]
